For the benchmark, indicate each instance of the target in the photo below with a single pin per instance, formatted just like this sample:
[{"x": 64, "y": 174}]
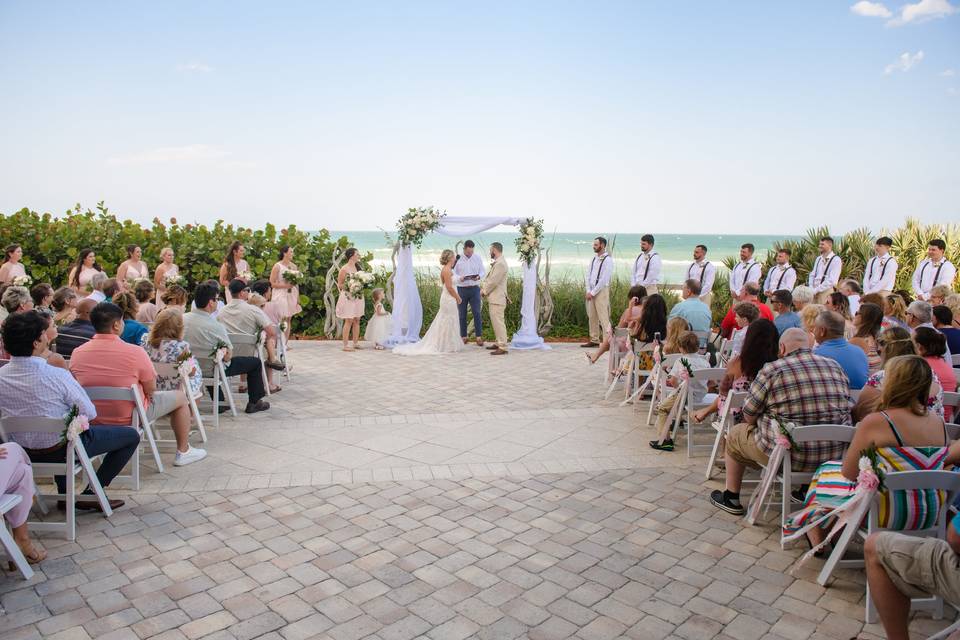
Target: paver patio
[{"x": 447, "y": 497}]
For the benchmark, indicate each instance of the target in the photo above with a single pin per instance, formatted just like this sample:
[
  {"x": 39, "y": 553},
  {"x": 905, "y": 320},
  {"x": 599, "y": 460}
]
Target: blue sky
[{"x": 741, "y": 117}]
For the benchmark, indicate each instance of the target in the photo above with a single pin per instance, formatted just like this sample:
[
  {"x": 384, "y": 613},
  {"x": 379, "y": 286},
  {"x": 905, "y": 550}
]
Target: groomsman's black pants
[{"x": 471, "y": 296}]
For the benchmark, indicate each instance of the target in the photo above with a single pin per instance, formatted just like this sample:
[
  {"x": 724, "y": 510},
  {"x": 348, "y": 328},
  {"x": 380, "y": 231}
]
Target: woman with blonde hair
[
  {"x": 907, "y": 437},
  {"x": 443, "y": 336},
  {"x": 165, "y": 345},
  {"x": 166, "y": 269},
  {"x": 895, "y": 312},
  {"x": 676, "y": 327},
  {"x": 809, "y": 319},
  {"x": 175, "y": 297}
]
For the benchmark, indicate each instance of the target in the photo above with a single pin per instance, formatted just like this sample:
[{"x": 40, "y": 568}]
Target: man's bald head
[
  {"x": 793, "y": 339},
  {"x": 84, "y": 307}
]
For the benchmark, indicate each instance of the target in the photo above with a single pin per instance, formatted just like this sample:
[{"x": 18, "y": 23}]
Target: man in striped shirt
[{"x": 801, "y": 388}]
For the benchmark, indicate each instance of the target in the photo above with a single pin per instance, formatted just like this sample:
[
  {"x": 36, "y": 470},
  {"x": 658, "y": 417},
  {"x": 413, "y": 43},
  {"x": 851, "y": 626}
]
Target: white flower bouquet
[
  {"x": 174, "y": 279},
  {"x": 74, "y": 423},
  {"x": 528, "y": 244},
  {"x": 246, "y": 276},
  {"x": 417, "y": 223},
  {"x": 355, "y": 284},
  {"x": 22, "y": 281},
  {"x": 294, "y": 277}
]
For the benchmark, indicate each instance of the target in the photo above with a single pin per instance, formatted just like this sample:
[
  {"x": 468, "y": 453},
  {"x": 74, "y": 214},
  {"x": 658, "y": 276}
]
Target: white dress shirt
[
  {"x": 705, "y": 273},
  {"x": 598, "y": 276},
  {"x": 743, "y": 273},
  {"x": 472, "y": 266},
  {"x": 98, "y": 296},
  {"x": 928, "y": 275},
  {"x": 826, "y": 272},
  {"x": 880, "y": 274},
  {"x": 646, "y": 269},
  {"x": 780, "y": 276}
]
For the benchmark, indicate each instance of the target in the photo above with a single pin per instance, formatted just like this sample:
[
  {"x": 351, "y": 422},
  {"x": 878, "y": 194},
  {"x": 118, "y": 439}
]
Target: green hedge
[{"x": 51, "y": 244}]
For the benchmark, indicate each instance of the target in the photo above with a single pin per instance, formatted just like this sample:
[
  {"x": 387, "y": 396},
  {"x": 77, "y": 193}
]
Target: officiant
[{"x": 469, "y": 270}]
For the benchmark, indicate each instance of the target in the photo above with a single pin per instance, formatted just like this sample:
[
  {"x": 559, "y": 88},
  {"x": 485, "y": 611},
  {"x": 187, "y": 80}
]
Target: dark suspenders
[
  {"x": 936, "y": 276},
  {"x": 883, "y": 270},
  {"x": 703, "y": 270},
  {"x": 826, "y": 269},
  {"x": 599, "y": 269},
  {"x": 780, "y": 281},
  {"x": 646, "y": 270},
  {"x": 746, "y": 274}
]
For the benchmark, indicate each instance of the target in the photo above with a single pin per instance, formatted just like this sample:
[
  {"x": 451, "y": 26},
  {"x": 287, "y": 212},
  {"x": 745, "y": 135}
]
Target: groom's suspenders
[{"x": 599, "y": 269}]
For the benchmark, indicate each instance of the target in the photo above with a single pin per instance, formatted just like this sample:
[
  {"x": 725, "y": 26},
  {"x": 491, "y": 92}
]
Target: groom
[
  {"x": 469, "y": 269},
  {"x": 494, "y": 289}
]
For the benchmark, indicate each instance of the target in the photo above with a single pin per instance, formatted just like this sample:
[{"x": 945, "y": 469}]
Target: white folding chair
[
  {"x": 139, "y": 421},
  {"x": 76, "y": 461},
  {"x": 953, "y": 431},
  {"x": 658, "y": 383},
  {"x": 283, "y": 353},
  {"x": 811, "y": 433},
  {"x": 255, "y": 344},
  {"x": 637, "y": 373},
  {"x": 8, "y": 502},
  {"x": 955, "y": 357},
  {"x": 734, "y": 402},
  {"x": 726, "y": 351},
  {"x": 620, "y": 335},
  {"x": 952, "y": 399},
  {"x": 217, "y": 381},
  {"x": 704, "y": 338},
  {"x": 182, "y": 372},
  {"x": 705, "y": 376}
]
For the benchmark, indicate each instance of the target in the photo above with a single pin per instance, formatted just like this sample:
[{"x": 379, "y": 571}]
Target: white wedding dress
[{"x": 443, "y": 336}]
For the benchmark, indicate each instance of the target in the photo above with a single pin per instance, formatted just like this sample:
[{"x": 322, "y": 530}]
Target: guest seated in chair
[
  {"x": 634, "y": 308},
  {"x": 80, "y": 330},
  {"x": 828, "y": 331},
  {"x": 108, "y": 361},
  {"x": 206, "y": 335},
  {"x": 690, "y": 350},
  {"x": 800, "y": 387},
  {"x": 29, "y": 387},
  {"x": 16, "y": 478},
  {"x": 239, "y": 316}
]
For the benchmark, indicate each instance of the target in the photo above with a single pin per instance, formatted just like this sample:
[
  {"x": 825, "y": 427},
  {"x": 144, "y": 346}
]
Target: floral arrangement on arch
[
  {"x": 528, "y": 244},
  {"x": 414, "y": 225},
  {"x": 356, "y": 283}
]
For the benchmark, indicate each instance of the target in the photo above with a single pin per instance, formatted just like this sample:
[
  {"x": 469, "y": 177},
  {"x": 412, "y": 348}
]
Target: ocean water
[{"x": 571, "y": 253}]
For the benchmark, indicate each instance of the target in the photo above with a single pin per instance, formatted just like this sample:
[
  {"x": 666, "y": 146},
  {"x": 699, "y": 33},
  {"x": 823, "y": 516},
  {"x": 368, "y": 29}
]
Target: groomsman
[
  {"x": 747, "y": 270},
  {"x": 646, "y": 268},
  {"x": 494, "y": 289},
  {"x": 469, "y": 269},
  {"x": 704, "y": 272},
  {"x": 880, "y": 276},
  {"x": 598, "y": 292},
  {"x": 933, "y": 270},
  {"x": 826, "y": 271},
  {"x": 781, "y": 276}
]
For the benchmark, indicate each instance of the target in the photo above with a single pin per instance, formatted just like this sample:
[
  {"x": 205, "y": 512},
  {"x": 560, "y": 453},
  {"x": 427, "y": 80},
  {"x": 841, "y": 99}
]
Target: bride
[{"x": 443, "y": 336}]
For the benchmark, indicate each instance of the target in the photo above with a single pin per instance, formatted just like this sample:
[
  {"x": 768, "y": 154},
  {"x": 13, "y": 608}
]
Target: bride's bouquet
[
  {"x": 416, "y": 224},
  {"x": 355, "y": 284},
  {"x": 294, "y": 277}
]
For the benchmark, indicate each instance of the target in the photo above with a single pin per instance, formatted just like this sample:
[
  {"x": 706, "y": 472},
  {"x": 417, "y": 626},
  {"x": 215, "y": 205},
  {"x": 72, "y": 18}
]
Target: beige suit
[{"x": 494, "y": 287}]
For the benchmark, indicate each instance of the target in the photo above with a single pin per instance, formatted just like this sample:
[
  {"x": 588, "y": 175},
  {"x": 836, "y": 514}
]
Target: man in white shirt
[
  {"x": 747, "y": 270},
  {"x": 97, "y": 282},
  {"x": 703, "y": 271},
  {"x": 851, "y": 289},
  {"x": 826, "y": 271},
  {"x": 598, "y": 292},
  {"x": 880, "y": 276},
  {"x": 933, "y": 270},
  {"x": 469, "y": 270},
  {"x": 781, "y": 276},
  {"x": 646, "y": 268}
]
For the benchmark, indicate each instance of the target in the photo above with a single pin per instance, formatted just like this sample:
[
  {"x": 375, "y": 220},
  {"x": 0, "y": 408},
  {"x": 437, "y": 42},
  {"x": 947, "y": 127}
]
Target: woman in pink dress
[
  {"x": 166, "y": 269},
  {"x": 286, "y": 296},
  {"x": 234, "y": 266},
  {"x": 16, "y": 478},
  {"x": 349, "y": 310},
  {"x": 132, "y": 269},
  {"x": 12, "y": 267},
  {"x": 83, "y": 271}
]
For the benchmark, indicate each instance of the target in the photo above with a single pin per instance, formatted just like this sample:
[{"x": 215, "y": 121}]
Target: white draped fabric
[{"x": 408, "y": 311}]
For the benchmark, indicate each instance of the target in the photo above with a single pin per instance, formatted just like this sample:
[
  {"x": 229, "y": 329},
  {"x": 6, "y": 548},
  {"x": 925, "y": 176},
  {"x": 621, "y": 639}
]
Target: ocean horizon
[{"x": 570, "y": 253}]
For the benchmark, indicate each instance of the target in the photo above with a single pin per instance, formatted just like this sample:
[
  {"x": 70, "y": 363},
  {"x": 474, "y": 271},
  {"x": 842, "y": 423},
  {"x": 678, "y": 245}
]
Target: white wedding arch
[{"x": 408, "y": 310}]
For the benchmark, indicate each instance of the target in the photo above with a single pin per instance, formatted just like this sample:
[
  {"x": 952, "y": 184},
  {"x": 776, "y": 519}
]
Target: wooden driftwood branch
[
  {"x": 388, "y": 288},
  {"x": 544, "y": 298},
  {"x": 332, "y": 326}
]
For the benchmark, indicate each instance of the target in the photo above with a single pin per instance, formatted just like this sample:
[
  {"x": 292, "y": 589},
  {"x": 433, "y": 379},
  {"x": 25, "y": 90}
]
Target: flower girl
[{"x": 379, "y": 325}]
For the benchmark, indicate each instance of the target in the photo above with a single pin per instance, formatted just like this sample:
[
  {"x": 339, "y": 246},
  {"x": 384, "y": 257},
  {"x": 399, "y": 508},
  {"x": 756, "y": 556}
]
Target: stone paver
[{"x": 542, "y": 539}]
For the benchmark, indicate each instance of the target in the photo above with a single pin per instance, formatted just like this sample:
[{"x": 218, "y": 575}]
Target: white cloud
[
  {"x": 904, "y": 63},
  {"x": 948, "y": 73},
  {"x": 187, "y": 154},
  {"x": 195, "y": 67},
  {"x": 922, "y": 11},
  {"x": 871, "y": 9}
]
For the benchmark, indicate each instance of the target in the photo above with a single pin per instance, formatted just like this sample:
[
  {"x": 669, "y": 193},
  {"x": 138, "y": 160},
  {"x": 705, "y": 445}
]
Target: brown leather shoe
[
  {"x": 492, "y": 347},
  {"x": 90, "y": 504},
  {"x": 479, "y": 343},
  {"x": 589, "y": 345},
  {"x": 498, "y": 352}
]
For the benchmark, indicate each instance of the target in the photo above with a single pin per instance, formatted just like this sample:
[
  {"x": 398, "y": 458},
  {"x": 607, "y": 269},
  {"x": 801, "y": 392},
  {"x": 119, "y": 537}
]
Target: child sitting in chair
[{"x": 689, "y": 361}]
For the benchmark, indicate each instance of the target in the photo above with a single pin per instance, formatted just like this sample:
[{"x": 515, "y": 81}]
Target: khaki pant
[
  {"x": 742, "y": 446},
  {"x": 920, "y": 566},
  {"x": 499, "y": 326},
  {"x": 598, "y": 313},
  {"x": 663, "y": 412},
  {"x": 821, "y": 298},
  {"x": 707, "y": 299}
]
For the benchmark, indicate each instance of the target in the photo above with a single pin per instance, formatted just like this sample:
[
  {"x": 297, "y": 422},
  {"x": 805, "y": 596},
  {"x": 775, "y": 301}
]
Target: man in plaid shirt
[{"x": 800, "y": 387}]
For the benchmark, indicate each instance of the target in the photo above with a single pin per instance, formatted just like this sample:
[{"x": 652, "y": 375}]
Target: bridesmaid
[
  {"x": 233, "y": 265},
  {"x": 286, "y": 296},
  {"x": 348, "y": 309},
  {"x": 83, "y": 270},
  {"x": 132, "y": 269},
  {"x": 166, "y": 269},
  {"x": 12, "y": 268},
  {"x": 16, "y": 477}
]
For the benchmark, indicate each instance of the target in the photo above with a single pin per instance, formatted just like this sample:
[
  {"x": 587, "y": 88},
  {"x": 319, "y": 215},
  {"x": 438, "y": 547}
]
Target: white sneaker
[{"x": 189, "y": 456}]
